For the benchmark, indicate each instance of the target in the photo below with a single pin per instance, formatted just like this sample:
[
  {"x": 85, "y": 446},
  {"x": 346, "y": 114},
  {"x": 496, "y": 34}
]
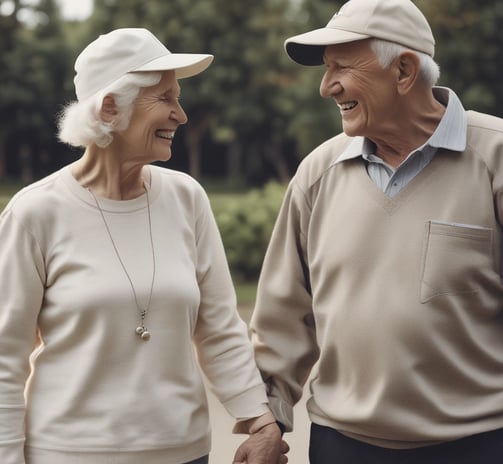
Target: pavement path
[{"x": 224, "y": 443}]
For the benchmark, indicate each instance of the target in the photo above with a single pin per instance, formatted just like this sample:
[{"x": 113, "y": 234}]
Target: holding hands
[{"x": 264, "y": 446}]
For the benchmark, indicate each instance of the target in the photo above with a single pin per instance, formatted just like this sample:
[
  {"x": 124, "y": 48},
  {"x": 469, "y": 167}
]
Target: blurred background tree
[
  {"x": 469, "y": 37},
  {"x": 33, "y": 71},
  {"x": 254, "y": 114}
]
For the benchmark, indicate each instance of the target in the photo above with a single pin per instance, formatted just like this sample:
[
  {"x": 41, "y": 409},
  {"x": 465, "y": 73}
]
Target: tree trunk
[
  {"x": 25, "y": 155},
  {"x": 234, "y": 168},
  {"x": 193, "y": 135},
  {"x": 3, "y": 159},
  {"x": 274, "y": 153},
  {"x": 193, "y": 140}
]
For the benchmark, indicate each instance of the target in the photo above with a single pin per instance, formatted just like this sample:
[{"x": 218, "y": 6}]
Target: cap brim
[
  {"x": 184, "y": 64},
  {"x": 308, "y": 48}
]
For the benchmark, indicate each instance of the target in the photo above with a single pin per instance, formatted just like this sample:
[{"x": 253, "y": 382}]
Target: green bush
[
  {"x": 3, "y": 202},
  {"x": 7, "y": 189},
  {"x": 246, "y": 222}
]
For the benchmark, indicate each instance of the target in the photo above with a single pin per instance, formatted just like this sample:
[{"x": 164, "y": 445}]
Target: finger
[
  {"x": 239, "y": 456},
  {"x": 284, "y": 448},
  {"x": 282, "y": 459}
]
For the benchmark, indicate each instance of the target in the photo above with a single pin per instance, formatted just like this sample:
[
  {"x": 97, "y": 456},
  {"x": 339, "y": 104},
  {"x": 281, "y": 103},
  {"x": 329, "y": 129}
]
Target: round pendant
[
  {"x": 145, "y": 335},
  {"x": 139, "y": 330}
]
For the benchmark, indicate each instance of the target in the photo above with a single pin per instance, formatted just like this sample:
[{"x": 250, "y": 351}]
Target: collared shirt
[{"x": 449, "y": 134}]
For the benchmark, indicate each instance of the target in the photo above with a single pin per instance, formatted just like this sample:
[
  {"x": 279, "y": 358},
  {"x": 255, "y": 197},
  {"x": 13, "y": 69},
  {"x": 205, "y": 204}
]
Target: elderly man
[{"x": 383, "y": 275}]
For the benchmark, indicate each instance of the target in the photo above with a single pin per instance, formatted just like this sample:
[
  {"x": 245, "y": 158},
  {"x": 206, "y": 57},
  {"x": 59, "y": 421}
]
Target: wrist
[{"x": 259, "y": 423}]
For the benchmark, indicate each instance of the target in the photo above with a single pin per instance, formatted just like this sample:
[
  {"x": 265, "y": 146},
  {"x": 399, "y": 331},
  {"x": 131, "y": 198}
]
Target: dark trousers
[
  {"x": 327, "y": 446},
  {"x": 203, "y": 460}
]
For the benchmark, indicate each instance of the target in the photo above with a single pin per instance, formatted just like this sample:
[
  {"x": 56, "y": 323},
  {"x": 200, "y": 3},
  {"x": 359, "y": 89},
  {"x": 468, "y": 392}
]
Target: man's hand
[{"x": 263, "y": 447}]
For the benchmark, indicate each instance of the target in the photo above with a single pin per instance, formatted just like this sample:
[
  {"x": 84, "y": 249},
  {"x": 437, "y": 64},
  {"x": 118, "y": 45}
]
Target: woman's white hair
[
  {"x": 80, "y": 124},
  {"x": 386, "y": 52}
]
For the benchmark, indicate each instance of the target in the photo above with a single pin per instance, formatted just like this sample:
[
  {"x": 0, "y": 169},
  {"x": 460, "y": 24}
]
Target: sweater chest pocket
[{"x": 455, "y": 260}]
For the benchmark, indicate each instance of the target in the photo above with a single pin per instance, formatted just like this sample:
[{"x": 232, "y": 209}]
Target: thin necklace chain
[{"x": 141, "y": 330}]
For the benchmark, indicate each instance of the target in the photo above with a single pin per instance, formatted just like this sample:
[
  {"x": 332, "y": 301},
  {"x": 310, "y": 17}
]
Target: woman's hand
[{"x": 265, "y": 446}]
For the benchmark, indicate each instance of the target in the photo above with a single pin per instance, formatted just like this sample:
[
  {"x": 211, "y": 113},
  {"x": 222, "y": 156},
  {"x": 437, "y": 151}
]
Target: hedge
[{"x": 246, "y": 222}]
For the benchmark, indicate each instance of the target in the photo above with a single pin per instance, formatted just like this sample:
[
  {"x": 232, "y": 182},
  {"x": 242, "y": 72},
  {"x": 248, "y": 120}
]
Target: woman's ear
[
  {"x": 408, "y": 71},
  {"x": 108, "y": 109}
]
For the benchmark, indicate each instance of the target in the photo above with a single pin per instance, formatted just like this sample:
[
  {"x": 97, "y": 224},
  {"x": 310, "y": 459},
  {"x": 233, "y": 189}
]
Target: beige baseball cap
[
  {"x": 398, "y": 21},
  {"x": 129, "y": 50}
]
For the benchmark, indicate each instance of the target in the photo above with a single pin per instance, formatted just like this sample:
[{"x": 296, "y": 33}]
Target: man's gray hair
[
  {"x": 80, "y": 124},
  {"x": 386, "y": 52}
]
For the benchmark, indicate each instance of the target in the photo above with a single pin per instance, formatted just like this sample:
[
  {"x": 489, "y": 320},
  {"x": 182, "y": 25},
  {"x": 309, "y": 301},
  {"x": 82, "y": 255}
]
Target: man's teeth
[
  {"x": 347, "y": 106},
  {"x": 165, "y": 134}
]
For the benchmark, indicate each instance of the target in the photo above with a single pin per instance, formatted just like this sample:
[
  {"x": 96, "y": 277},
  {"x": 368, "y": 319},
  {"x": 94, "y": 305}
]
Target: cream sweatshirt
[
  {"x": 95, "y": 393},
  {"x": 396, "y": 302}
]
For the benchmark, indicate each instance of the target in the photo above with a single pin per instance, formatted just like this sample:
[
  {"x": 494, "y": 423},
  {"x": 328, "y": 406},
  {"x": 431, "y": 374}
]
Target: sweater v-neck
[{"x": 388, "y": 203}]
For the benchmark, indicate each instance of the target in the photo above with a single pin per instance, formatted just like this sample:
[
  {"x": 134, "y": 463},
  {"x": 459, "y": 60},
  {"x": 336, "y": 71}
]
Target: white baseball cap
[
  {"x": 129, "y": 50},
  {"x": 398, "y": 21}
]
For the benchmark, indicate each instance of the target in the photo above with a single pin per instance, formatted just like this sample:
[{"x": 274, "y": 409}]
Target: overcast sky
[
  {"x": 76, "y": 9},
  {"x": 71, "y": 9}
]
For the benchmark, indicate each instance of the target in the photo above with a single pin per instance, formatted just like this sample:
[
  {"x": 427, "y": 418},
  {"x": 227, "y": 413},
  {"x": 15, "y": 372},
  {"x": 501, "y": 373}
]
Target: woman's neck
[{"x": 103, "y": 172}]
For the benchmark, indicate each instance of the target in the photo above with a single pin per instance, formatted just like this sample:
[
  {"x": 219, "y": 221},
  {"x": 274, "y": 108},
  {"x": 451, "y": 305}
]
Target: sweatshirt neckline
[{"x": 113, "y": 206}]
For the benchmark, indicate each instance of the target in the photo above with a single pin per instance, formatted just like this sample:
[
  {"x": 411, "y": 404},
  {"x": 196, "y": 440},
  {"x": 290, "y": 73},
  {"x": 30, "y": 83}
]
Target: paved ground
[{"x": 225, "y": 443}]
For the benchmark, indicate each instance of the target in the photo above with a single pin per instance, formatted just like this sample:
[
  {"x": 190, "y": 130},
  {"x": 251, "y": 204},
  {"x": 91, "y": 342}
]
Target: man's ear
[
  {"x": 407, "y": 71},
  {"x": 108, "y": 109}
]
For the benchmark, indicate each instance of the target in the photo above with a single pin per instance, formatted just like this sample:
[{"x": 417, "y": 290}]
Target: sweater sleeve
[
  {"x": 21, "y": 293},
  {"x": 223, "y": 346},
  {"x": 282, "y": 324}
]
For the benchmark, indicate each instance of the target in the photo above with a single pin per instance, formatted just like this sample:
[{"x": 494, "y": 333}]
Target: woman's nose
[{"x": 180, "y": 115}]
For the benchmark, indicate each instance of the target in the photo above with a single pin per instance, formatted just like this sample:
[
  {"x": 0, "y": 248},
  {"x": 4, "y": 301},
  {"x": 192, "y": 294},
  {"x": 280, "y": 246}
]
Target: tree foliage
[
  {"x": 254, "y": 114},
  {"x": 245, "y": 223},
  {"x": 469, "y": 37},
  {"x": 34, "y": 73}
]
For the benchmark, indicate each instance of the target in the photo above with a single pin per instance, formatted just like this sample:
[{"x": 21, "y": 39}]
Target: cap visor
[
  {"x": 184, "y": 64},
  {"x": 308, "y": 48}
]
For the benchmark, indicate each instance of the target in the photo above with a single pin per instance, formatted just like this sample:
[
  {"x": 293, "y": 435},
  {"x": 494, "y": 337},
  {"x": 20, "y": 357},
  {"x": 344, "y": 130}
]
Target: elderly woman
[{"x": 115, "y": 286}]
